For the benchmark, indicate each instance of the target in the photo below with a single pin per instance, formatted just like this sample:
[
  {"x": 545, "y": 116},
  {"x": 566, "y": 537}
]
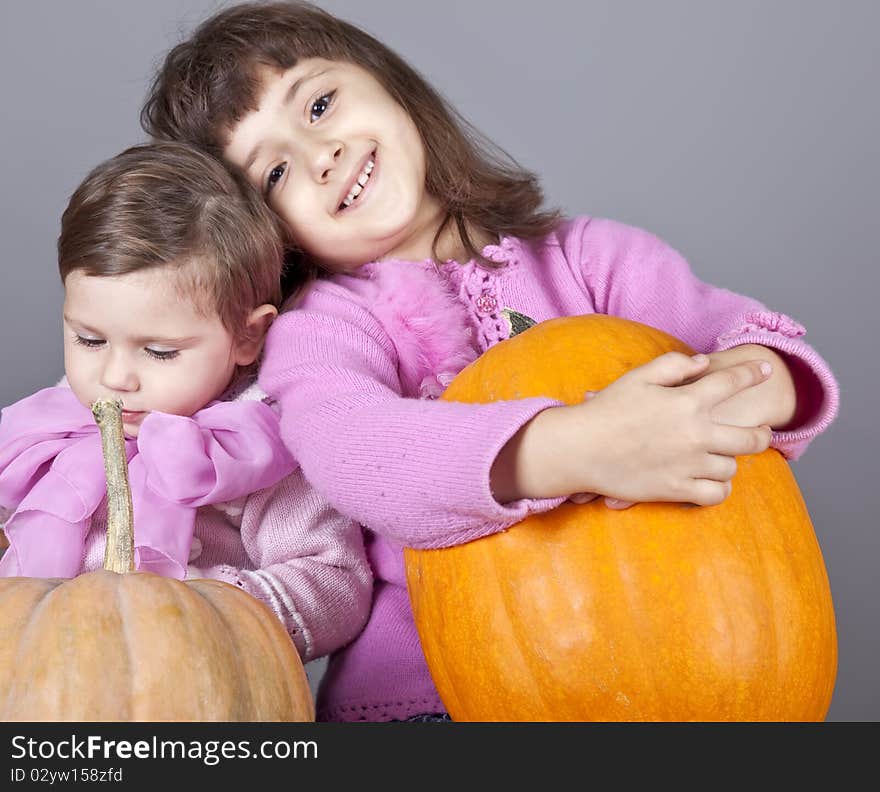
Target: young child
[
  {"x": 426, "y": 235},
  {"x": 171, "y": 268}
]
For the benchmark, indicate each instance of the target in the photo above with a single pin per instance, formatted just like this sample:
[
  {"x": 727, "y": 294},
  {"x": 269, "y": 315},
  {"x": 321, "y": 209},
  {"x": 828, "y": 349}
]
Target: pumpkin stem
[{"x": 119, "y": 550}]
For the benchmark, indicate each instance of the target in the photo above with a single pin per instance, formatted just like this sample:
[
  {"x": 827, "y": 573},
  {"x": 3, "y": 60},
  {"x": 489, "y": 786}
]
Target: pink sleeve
[
  {"x": 633, "y": 274},
  {"x": 310, "y": 565},
  {"x": 414, "y": 471}
]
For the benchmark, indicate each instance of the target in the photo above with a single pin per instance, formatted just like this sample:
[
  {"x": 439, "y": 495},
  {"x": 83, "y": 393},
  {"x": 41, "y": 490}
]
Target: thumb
[{"x": 674, "y": 368}]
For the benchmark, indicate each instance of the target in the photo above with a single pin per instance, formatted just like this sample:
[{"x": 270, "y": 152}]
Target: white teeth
[{"x": 359, "y": 184}]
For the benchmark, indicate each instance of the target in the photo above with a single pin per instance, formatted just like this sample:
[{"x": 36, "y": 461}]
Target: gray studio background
[{"x": 744, "y": 133}]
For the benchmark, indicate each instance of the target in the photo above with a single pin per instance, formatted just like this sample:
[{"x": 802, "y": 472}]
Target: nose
[
  {"x": 325, "y": 156},
  {"x": 118, "y": 374}
]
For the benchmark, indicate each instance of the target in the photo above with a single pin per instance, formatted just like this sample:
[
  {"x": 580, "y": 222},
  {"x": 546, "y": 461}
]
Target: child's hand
[
  {"x": 588, "y": 497},
  {"x": 773, "y": 402},
  {"x": 646, "y": 437}
]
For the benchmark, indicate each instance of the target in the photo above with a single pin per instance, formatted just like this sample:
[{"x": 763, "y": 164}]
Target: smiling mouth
[{"x": 360, "y": 183}]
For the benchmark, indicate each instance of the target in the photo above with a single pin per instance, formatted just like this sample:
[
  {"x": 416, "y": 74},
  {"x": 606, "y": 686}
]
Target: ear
[{"x": 247, "y": 349}]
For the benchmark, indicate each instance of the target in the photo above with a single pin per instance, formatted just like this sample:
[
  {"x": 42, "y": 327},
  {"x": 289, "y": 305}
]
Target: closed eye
[
  {"x": 88, "y": 343},
  {"x": 162, "y": 354}
]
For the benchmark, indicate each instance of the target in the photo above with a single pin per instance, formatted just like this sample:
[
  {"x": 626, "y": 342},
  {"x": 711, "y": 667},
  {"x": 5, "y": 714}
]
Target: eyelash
[
  {"x": 94, "y": 343},
  {"x": 327, "y": 99}
]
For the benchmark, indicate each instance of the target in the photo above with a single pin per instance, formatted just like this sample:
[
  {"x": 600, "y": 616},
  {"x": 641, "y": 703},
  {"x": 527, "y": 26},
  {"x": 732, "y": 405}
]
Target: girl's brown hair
[
  {"x": 170, "y": 204},
  {"x": 208, "y": 83}
]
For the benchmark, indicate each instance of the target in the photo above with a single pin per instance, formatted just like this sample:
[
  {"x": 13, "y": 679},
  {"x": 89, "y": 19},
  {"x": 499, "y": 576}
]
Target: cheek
[
  {"x": 307, "y": 225},
  {"x": 410, "y": 142},
  {"x": 80, "y": 373},
  {"x": 176, "y": 392},
  {"x": 186, "y": 390},
  {"x": 75, "y": 368},
  {"x": 302, "y": 213}
]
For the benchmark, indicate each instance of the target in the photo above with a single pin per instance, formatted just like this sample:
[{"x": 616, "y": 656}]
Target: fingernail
[
  {"x": 766, "y": 368},
  {"x": 699, "y": 358}
]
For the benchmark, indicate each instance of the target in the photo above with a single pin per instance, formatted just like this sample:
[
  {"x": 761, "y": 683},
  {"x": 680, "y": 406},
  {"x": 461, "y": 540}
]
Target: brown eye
[
  {"x": 275, "y": 176},
  {"x": 319, "y": 106}
]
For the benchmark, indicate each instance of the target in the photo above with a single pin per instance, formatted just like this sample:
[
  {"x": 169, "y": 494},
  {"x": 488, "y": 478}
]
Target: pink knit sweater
[{"x": 356, "y": 365}]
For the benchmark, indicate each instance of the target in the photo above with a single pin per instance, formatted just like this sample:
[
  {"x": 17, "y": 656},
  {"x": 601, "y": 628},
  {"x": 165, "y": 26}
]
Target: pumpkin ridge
[
  {"x": 122, "y": 603},
  {"x": 514, "y": 625},
  {"x": 768, "y": 597},
  {"x": 644, "y": 662},
  {"x": 34, "y": 621},
  {"x": 182, "y": 596},
  {"x": 269, "y": 625},
  {"x": 28, "y": 627},
  {"x": 243, "y": 691},
  {"x": 718, "y": 579},
  {"x": 260, "y": 618}
]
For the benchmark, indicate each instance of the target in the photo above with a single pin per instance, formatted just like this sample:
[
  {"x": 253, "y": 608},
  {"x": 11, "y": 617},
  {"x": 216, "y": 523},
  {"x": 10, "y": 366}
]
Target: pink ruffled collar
[
  {"x": 52, "y": 478},
  {"x": 424, "y": 309}
]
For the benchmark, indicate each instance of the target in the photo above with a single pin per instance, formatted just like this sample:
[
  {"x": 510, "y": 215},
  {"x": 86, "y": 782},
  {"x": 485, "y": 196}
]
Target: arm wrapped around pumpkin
[{"x": 658, "y": 613}]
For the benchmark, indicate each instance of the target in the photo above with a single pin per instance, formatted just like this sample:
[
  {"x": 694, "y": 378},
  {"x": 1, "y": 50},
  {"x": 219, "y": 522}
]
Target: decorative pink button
[{"x": 486, "y": 303}]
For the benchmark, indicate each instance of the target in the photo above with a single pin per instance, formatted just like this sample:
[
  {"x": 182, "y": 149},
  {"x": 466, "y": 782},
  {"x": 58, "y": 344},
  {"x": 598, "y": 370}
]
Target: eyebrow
[
  {"x": 288, "y": 98},
  {"x": 142, "y": 340}
]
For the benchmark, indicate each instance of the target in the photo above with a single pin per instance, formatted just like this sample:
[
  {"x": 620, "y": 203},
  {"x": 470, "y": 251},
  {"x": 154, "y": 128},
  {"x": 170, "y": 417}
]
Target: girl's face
[
  {"x": 133, "y": 337},
  {"x": 340, "y": 162}
]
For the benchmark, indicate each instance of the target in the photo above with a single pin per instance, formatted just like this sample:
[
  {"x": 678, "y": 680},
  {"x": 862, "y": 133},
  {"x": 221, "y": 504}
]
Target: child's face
[
  {"x": 135, "y": 338},
  {"x": 319, "y": 129}
]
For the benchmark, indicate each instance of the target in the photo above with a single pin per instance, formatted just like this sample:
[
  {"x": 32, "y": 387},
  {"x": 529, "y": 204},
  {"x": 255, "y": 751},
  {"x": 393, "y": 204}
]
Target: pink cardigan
[{"x": 356, "y": 365}]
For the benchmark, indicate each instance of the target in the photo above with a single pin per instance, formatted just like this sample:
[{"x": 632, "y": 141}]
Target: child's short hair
[
  {"x": 169, "y": 204},
  {"x": 210, "y": 82}
]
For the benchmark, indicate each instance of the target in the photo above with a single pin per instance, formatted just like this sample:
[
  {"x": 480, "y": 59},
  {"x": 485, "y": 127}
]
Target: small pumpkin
[
  {"x": 662, "y": 612},
  {"x": 119, "y": 645}
]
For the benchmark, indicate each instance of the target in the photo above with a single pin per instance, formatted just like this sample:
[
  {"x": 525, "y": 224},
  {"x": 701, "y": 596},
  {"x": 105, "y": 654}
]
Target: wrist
[{"x": 536, "y": 461}]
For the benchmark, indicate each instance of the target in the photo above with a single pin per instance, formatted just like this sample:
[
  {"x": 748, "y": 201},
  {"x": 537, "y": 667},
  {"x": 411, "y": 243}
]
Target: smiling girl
[
  {"x": 428, "y": 239},
  {"x": 171, "y": 269}
]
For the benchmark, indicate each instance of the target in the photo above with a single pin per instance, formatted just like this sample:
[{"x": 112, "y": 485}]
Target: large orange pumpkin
[
  {"x": 662, "y": 612},
  {"x": 133, "y": 646}
]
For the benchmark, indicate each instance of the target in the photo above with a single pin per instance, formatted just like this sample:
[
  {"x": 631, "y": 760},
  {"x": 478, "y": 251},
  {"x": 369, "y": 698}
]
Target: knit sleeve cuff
[
  {"x": 818, "y": 394},
  {"x": 501, "y": 425}
]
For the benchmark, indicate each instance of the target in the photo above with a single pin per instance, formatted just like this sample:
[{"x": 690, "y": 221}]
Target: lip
[{"x": 353, "y": 180}]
